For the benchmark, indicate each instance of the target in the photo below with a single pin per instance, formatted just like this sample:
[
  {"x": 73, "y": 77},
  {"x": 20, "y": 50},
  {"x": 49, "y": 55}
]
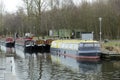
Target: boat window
[
  {"x": 76, "y": 47},
  {"x": 97, "y": 45},
  {"x": 66, "y": 46},
  {"x": 29, "y": 43},
  {"x": 89, "y": 45},
  {"x": 81, "y": 45},
  {"x": 71, "y": 46},
  {"x": 53, "y": 44},
  {"x": 62, "y": 45}
]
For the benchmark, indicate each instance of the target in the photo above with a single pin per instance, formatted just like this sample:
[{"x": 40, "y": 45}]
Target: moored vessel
[
  {"x": 47, "y": 45},
  {"x": 9, "y": 43},
  {"x": 39, "y": 46},
  {"x": 29, "y": 46},
  {"x": 43, "y": 45},
  {"x": 25, "y": 44},
  {"x": 89, "y": 49}
]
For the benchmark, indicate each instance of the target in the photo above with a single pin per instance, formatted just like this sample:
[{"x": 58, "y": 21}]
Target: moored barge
[
  {"x": 89, "y": 49},
  {"x": 34, "y": 46},
  {"x": 43, "y": 45},
  {"x": 9, "y": 43},
  {"x": 47, "y": 45},
  {"x": 25, "y": 44}
]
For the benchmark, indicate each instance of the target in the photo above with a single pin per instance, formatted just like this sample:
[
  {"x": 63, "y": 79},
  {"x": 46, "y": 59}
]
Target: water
[
  {"x": 46, "y": 67},
  {"x": 50, "y": 67}
]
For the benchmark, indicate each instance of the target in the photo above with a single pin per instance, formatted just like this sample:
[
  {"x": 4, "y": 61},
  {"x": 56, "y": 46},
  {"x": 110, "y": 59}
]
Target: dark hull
[
  {"x": 76, "y": 54},
  {"x": 47, "y": 48},
  {"x": 42, "y": 48},
  {"x": 34, "y": 48},
  {"x": 10, "y": 44},
  {"x": 29, "y": 49},
  {"x": 38, "y": 48}
]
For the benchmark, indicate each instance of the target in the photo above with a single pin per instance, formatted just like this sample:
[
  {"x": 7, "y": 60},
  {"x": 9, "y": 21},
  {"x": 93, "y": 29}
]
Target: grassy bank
[{"x": 113, "y": 45}]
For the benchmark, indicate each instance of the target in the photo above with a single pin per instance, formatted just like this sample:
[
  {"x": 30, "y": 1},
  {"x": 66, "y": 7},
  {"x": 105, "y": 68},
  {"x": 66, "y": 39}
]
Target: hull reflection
[
  {"x": 21, "y": 53},
  {"x": 82, "y": 66}
]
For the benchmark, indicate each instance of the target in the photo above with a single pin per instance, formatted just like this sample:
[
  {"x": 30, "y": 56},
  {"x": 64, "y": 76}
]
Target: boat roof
[
  {"x": 75, "y": 41},
  {"x": 9, "y": 39}
]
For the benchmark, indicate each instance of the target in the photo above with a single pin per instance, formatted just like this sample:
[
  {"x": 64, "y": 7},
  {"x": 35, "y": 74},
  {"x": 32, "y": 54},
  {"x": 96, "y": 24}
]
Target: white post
[{"x": 100, "y": 19}]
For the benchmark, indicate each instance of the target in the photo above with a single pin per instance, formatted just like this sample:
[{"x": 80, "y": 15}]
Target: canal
[{"x": 49, "y": 67}]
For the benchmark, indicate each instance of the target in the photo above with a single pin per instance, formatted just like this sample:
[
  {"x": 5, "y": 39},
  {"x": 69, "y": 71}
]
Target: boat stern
[{"x": 89, "y": 54}]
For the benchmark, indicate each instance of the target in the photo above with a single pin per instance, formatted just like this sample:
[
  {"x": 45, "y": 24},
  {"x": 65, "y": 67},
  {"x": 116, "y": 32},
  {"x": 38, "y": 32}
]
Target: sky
[{"x": 12, "y": 5}]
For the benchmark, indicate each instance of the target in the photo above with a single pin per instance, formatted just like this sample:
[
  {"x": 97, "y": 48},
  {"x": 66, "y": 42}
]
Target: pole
[{"x": 100, "y": 19}]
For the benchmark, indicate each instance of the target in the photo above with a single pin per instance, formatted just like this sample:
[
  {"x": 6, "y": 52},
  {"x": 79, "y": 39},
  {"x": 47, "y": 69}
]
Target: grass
[{"x": 112, "y": 43}]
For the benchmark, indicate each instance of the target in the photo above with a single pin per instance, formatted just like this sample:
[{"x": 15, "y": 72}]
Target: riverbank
[
  {"x": 113, "y": 45},
  {"x": 111, "y": 50}
]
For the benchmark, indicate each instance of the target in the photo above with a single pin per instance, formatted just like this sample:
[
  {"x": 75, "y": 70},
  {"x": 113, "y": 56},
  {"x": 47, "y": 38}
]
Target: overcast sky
[{"x": 11, "y": 5}]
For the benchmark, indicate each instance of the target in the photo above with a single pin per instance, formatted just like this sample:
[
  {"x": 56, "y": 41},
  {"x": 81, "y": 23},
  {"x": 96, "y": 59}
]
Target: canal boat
[
  {"x": 29, "y": 46},
  {"x": 89, "y": 49},
  {"x": 9, "y": 42},
  {"x": 43, "y": 46},
  {"x": 5, "y": 49},
  {"x": 25, "y": 44},
  {"x": 39, "y": 46},
  {"x": 47, "y": 45}
]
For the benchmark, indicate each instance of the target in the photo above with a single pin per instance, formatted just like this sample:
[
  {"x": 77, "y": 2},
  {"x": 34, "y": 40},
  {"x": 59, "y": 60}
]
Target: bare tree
[
  {"x": 1, "y": 16},
  {"x": 41, "y": 16}
]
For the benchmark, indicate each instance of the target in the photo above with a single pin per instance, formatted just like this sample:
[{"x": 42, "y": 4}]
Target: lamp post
[{"x": 100, "y": 19}]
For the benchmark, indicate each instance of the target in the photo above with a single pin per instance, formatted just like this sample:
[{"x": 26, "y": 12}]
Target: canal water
[{"x": 50, "y": 67}]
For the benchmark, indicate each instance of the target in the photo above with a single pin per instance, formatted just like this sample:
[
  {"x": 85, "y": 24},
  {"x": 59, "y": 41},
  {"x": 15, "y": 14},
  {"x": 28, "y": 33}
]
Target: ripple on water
[{"x": 39, "y": 68}]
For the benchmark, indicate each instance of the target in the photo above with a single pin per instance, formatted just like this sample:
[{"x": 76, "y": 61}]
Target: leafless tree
[{"x": 1, "y": 16}]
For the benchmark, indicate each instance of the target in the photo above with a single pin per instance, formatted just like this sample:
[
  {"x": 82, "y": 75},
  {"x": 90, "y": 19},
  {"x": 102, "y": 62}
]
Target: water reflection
[
  {"x": 20, "y": 52},
  {"x": 6, "y": 49},
  {"x": 51, "y": 67},
  {"x": 88, "y": 67},
  {"x": 84, "y": 69},
  {"x": 78, "y": 65},
  {"x": 110, "y": 70},
  {"x": 33, "y": 66},
  {"x": 7, "y": 67}
]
